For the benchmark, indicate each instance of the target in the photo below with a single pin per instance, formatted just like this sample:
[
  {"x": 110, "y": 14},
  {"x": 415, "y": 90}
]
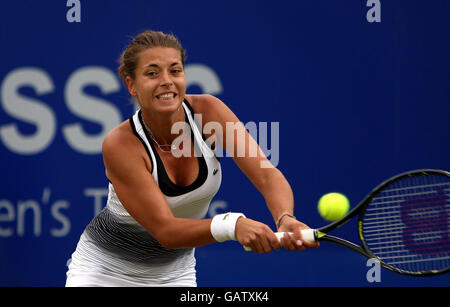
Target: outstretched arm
[{"x": 267, "y": 179}]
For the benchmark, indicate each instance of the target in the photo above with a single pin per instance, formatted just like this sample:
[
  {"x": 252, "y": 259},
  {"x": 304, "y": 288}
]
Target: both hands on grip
[{"x": 258, "y": 237}]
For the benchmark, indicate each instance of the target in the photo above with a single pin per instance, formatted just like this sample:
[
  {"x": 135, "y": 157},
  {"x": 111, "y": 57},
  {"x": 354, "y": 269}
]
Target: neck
[{"x": 160, "y": 125}]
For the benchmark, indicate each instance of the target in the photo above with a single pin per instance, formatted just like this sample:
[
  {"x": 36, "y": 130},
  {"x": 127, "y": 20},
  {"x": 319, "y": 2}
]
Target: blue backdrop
[{"x": 360, "y": 91}]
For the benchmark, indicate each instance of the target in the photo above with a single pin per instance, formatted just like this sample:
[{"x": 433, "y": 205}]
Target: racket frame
[{"x": 321, "y": 234}]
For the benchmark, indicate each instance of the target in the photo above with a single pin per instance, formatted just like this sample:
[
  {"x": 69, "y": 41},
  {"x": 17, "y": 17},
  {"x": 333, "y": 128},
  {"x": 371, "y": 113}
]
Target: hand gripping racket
[{"x": 403, "y": 223}]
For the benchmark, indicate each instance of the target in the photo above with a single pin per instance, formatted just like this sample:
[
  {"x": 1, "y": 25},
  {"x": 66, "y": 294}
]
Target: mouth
[{"x": 166, "y": 97}]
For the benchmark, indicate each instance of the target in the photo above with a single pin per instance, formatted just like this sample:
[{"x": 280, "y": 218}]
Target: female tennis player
[{"x": 154, "y": 217}]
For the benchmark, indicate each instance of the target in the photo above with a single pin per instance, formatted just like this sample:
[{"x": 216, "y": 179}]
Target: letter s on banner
[
  {"x": 29, "y": 110},
  {"x": 204, "y": 77},
  {"x": 88, "y": 107}
]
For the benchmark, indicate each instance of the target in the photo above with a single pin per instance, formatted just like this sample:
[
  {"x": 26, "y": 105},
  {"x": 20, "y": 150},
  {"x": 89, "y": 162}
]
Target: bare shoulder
[
  {"x": 202, "y": 102},
  {"x": 119, "y": 137},
  {"x": 209, "y": 106},
  {"x": 121, "y": 145}
]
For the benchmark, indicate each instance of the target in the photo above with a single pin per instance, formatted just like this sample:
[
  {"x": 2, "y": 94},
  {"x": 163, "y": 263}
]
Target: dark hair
[{"x": 148, "y": 39}]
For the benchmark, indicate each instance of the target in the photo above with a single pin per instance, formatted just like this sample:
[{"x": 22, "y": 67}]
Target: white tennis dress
[{"x": 115, "y": 250}]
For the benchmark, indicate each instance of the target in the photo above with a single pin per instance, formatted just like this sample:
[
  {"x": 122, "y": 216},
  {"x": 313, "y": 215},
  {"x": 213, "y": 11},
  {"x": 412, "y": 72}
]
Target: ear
[{"x": 130, "y": 86}]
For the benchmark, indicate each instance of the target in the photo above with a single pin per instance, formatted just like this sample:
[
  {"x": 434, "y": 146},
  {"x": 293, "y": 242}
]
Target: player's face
[{"x": 159, "y": 83}]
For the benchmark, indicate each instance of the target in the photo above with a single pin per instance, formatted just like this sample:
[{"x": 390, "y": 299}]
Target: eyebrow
[{"x": 157, "y": 66}]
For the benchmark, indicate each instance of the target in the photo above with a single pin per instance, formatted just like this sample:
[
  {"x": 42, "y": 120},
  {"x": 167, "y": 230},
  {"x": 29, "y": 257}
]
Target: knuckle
[{"x": 260, "y": 233}]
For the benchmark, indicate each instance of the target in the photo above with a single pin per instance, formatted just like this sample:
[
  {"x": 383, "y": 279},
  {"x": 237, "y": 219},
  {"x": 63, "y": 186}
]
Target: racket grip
[{"x": 307, "y": 234}]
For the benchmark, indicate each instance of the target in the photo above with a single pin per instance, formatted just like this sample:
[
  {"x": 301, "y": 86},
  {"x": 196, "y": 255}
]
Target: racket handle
[{"x": 307, "y": 234}]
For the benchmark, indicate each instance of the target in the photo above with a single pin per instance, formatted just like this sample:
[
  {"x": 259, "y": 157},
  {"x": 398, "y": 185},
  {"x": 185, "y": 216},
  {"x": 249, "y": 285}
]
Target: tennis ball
[{"x": 333, "y": 206}]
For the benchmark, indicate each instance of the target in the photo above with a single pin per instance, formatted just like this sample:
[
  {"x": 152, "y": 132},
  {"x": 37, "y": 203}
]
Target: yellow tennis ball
[{"x": 333, "y": 206}]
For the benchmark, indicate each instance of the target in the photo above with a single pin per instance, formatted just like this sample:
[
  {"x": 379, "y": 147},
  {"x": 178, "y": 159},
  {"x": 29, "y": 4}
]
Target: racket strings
[{"x": 407, "y": 224}]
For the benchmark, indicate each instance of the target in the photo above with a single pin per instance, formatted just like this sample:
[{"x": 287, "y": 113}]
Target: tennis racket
[{"x": 403, "y": 223}]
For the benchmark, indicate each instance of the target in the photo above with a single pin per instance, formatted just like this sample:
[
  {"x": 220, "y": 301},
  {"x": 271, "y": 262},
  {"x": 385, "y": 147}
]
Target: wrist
[
  {"x": 282, "y": 217},
  {"x": 223, "y": 226}
]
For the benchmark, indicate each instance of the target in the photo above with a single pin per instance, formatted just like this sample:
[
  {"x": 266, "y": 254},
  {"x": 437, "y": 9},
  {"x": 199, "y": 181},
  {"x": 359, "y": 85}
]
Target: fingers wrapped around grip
[
  {"x": 290, "y": 241},
  {"x": 257, "y": 236}
]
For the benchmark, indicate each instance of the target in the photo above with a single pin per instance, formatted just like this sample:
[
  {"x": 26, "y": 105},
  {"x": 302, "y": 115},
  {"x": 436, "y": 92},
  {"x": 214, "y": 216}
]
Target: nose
[{"x": 166, "y": 80}]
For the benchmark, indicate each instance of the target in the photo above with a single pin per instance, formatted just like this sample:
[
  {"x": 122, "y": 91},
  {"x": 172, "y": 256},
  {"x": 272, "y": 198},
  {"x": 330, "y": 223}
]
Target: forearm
[
  {"x": 185, "y": 233},
  {"x": 277, "y": 193}
]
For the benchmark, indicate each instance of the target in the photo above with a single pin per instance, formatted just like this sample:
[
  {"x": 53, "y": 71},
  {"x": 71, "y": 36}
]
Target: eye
[
  {"x": 176, "y": 71},
  {"x": 151, "y": 73}
]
